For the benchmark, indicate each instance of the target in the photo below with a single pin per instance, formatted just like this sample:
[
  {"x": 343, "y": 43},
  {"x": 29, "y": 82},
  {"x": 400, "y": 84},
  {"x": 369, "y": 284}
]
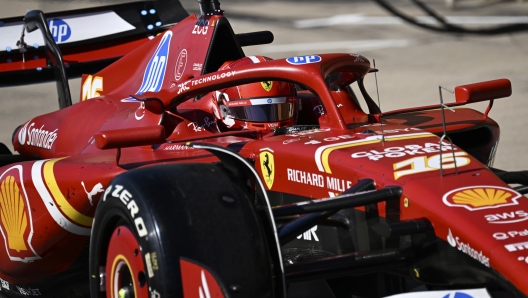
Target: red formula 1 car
[{"x": 190, "y": 170}]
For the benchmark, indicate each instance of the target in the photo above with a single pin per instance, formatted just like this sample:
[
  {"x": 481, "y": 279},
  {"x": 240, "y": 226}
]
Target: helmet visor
[{"x": 263, "y": 109}]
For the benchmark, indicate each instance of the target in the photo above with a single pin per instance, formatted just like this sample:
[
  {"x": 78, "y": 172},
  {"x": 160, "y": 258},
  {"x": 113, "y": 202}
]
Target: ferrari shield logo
[
  {"x": 481, "y": 197},
  {"x": 267, "y": 85},
  {"x": 267, "y": 165}
]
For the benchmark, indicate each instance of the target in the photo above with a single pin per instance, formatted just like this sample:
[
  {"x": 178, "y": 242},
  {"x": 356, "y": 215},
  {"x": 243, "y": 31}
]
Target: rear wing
[{"x": 88, "y": 39}]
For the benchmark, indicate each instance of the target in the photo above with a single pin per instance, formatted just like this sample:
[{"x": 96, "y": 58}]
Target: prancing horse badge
[
  {"x": 267, "y": 165},
  {"x": 267, "y": 85}
]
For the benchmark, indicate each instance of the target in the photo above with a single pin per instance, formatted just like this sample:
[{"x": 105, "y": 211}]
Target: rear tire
[{"x": 6, "y": 157}]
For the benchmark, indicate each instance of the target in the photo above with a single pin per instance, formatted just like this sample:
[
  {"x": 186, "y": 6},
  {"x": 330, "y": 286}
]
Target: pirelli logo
[{"x": 517, "y": 246}]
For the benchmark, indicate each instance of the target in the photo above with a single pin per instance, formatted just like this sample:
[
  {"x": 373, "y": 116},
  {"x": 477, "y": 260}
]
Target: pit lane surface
[{"x": 412, "y": 62}]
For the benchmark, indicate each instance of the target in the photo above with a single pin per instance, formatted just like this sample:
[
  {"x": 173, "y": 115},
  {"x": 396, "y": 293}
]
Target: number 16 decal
[{"x": 426, "y": 164}]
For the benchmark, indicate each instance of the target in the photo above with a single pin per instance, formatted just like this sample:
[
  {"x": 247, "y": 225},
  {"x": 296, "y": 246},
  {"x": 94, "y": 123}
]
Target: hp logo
[
  {"x": 298, "y": 60},
  {"x": 155, "y": 71},
  {"x": 60, "y": 31}
]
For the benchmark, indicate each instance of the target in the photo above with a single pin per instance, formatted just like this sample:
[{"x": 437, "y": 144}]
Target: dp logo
[{"x": 59, "y": 29}]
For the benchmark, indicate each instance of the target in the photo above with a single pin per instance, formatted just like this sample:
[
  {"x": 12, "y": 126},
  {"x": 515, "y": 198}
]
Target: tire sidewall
[{"x": 123, "y": 204}]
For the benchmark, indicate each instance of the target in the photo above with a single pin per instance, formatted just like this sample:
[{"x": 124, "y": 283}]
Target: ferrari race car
[{"x": 187, "y": 169}]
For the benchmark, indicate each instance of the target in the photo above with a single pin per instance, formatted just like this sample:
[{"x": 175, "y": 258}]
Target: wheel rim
[{"x": 125, "y": 269}]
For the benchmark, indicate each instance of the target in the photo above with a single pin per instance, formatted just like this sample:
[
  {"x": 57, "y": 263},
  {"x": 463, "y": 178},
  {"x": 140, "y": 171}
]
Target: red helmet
[{"x": 262, "y": 106}]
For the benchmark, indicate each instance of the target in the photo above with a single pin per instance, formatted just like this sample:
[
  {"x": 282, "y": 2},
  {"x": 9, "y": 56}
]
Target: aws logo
[
  {"x": 155, "y": 71},
  {"x": 267, "y": 166},
  {"x": 481, "y": 197},
  {"x": 15, "y": 220},
  {"x": 59, "y": 29}
]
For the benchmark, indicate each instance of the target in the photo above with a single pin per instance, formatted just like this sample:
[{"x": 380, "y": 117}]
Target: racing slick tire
[
  {"x": 6, "y": 157},
  {"x": 178, "y": 230}
]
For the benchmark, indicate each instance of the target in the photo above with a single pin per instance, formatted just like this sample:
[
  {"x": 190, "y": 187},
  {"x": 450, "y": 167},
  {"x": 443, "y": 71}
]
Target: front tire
[{"x": 165, "y": 230}]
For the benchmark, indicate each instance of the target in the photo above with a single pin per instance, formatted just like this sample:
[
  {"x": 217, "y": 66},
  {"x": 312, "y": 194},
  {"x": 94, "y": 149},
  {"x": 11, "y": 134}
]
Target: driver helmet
[{"x": 263, "y": 105}]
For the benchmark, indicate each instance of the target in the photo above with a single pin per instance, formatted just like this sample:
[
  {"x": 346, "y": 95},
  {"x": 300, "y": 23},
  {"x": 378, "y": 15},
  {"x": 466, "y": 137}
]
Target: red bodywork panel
[{"x": 135, "y": 107}]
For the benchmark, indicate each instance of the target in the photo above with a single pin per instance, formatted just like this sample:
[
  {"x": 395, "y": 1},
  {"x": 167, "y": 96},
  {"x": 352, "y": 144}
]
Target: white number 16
[{"x": 425, "y": 164}]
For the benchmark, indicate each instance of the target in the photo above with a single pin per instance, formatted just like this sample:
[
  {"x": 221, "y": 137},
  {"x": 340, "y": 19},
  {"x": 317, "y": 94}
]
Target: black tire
[
  {"x": 6, "y": 157},
  {"x": 4, "y": 150},
  {"x": 180, "y": 214}
]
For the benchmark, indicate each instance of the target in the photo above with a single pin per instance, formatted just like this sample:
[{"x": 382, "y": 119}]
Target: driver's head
[{"x": 262, "y": 106}]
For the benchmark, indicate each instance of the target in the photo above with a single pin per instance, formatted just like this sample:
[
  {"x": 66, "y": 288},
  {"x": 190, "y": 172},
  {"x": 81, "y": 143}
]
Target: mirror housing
[
  {"x": 483, "y": 91},
  {"x": 130, "y": 137}
]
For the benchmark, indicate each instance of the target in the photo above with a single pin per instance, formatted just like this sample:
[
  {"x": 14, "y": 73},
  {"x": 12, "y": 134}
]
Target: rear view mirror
[
  {"x": 31, "y": 19},
  {"x": 130, "y": 137},
  {"x": 483, "y": 91}
]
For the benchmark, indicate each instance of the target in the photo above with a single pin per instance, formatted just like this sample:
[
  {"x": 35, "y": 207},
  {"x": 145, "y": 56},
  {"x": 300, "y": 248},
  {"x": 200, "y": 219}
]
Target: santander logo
[
  {"x": 22, "y": 135},
  {"x": 451, "y": 239},
  {"x": 37, "y": 137},
  {"x": 467, "y": 249}
]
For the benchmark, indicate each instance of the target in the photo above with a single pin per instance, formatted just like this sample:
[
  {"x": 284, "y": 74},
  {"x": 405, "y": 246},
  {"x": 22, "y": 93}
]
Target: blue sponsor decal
[
  {"x": 298, "y": 60},
  {"x": 269, "y": 100},
  {"x": 458, "y": 295},
  {"x": 59, "y": 29},
  {"x": 130, "y": 99},
  {"x": 155, "y": 71}
]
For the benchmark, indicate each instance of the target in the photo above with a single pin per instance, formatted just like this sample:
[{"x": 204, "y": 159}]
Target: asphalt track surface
[{"x": 413, "y": 62}]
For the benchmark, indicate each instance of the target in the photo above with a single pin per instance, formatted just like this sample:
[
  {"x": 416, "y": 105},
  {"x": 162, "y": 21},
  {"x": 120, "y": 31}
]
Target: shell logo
[
  {"x": 15, "y": 216},
  {"x": 481, "y": 197}
]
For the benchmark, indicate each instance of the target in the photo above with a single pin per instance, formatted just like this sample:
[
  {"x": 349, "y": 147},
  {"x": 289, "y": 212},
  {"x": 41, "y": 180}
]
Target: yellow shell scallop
[
  {"x": 13, "y": 214},
  {"x": 479, "y": 197}
]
